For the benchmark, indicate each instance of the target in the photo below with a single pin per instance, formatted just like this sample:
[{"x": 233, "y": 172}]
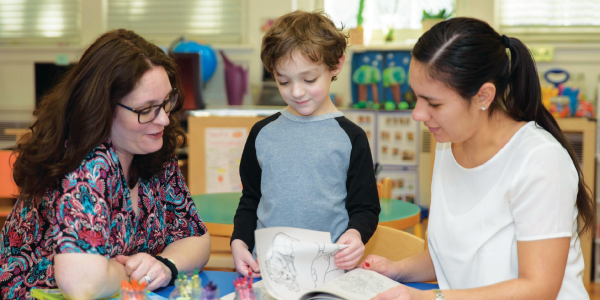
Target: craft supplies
[{"x": 133, "y": 290}]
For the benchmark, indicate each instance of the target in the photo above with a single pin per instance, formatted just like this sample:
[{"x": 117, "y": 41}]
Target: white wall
[
  {"x": 17, "y": 82},
  {"x": 17, "y": 96}
]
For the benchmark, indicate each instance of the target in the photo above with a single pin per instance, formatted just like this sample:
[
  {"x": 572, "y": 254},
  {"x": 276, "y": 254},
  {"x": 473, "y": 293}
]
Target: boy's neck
[{"x": 326, "y": 108}]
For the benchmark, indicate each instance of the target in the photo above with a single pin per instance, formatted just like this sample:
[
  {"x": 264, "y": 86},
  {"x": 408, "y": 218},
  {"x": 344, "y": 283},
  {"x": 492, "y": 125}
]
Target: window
[
  {"x": 40, "y": 22},
  {"x": 213, "y": 21},
  {"x": 383, "y": 14},
  {"x": 572, "y": 19}
]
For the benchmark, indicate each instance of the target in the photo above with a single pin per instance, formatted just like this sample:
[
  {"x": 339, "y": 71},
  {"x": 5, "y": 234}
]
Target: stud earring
[{"x": 483, "y": 108}]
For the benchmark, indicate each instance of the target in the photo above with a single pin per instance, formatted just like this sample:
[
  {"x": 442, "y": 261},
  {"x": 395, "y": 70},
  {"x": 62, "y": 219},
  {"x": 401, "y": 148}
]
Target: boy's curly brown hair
[{"x": 313, "y": 34}]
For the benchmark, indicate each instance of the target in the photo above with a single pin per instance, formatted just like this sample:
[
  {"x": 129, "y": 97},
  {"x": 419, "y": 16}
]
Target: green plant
[
  {"x": 359, "y": 17},
  {"x": 442, "y": 14}
]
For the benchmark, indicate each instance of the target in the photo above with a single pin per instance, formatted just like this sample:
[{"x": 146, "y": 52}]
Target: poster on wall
[
  {"x": 404, "y": 183},
  {"x": 367, "y": 120},
  {"x": 397, "y": 139},
  {"x": 366, "y": 78},
  {"x": 224, "y": 147}
]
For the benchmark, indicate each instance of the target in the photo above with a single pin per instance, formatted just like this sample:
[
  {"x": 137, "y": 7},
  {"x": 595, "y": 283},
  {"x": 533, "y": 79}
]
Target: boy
[{"x": 306, "y": 166}]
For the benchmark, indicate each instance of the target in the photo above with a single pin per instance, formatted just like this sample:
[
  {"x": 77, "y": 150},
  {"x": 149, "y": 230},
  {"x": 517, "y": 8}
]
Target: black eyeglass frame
[{"x": 173, "y": 98}]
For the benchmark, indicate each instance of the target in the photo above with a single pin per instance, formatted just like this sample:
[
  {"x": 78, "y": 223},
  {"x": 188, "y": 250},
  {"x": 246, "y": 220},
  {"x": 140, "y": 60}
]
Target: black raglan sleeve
[
  {"x": 362, "y": 201},
  {"x": 244, "y": 221}
]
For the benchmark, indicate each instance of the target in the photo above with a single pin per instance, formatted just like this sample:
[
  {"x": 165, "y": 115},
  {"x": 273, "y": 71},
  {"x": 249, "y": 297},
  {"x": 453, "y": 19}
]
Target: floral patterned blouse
[{"x": 91, "y": 212}]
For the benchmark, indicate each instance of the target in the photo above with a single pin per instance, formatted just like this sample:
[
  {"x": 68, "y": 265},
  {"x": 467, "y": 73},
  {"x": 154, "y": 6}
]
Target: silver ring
[{"x": 148, "y": 280}]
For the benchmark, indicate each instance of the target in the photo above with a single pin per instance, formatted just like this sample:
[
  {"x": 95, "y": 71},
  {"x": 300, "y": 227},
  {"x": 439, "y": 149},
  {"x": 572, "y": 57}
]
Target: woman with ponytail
[{"x": 508, "y": 198}]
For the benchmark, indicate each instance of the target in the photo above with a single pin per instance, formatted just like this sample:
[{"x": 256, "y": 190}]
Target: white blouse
[{"x": 526, "y": 192}]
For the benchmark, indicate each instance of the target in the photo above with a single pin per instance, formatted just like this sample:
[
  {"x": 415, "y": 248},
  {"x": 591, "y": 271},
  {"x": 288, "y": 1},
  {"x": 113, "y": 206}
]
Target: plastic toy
[
  {"x": 556, "y": 82},
  {"x": 207, "y": 56},
  {"x": 585, "y": 110},
  {"x": 573, "y": 95},
  {"x": 548, "y": 92}
]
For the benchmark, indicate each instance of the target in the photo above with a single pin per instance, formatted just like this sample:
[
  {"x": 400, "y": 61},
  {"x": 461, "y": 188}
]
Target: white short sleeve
[{"x": 543, "y": 194}]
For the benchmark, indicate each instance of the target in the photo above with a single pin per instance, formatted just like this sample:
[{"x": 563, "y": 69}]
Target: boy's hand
[
  {"x": 349, "y": 257},
  {"x": 243, "y": 260}
]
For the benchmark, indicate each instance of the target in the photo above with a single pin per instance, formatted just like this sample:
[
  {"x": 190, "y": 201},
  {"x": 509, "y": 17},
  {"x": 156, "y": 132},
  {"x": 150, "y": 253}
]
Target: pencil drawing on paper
[
  {"x": 362, "y": 283},
  {"x": 284, "y": 267}
]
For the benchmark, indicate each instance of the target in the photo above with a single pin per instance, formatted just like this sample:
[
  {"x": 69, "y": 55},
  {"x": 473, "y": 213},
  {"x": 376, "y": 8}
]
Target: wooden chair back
[{"x": 393, "y": 244}]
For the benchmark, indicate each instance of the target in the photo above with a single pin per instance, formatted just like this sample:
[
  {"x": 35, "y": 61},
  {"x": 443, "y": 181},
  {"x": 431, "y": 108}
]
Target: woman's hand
[
  {"x": 380, "y": 265},
  {"x": 143, "y": 264},
  {"x": 403, "y": 292},
  {"x": 349, "y": 257},
  {"x": 243, "y": 260}
]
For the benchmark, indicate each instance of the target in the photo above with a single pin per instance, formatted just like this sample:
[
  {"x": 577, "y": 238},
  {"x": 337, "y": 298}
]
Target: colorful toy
[
  {"x": 573, "y": 95},
  {"x": 548, "y": 92},
  {"x": 564, "y": 97},
  {"x": 585, "y": 110},
  {"x": 207, "y": 56}
]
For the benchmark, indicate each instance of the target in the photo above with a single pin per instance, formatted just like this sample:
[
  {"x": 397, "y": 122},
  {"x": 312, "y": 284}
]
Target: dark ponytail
[{"x": 465, "y": 53}]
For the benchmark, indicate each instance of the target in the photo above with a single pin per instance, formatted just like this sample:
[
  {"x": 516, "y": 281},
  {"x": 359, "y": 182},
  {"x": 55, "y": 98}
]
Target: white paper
[
  {"x": 224, "y": 147},
  {"x": 356, "y": 284},
  {"x": 294, "y": 261}
]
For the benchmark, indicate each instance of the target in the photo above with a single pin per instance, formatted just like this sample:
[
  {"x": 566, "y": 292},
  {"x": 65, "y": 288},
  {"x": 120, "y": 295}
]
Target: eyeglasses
[{"x": 150, "y": 113}]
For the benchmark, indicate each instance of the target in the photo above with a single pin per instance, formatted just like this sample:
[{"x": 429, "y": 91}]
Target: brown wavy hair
[
  {"x": 311, "y": 33},
  {"x": 81, "y": 107}
]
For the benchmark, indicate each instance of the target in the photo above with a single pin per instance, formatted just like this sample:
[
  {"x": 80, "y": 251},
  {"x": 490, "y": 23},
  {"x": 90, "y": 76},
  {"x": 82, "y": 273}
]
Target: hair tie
[{"x": 506, "y": 41}]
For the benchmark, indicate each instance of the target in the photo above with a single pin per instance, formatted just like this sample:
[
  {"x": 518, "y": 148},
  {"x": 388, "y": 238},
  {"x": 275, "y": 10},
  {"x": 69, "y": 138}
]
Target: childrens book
[
  {"x": 358, "y": 284},
  {"x": 300, "y": 264}
]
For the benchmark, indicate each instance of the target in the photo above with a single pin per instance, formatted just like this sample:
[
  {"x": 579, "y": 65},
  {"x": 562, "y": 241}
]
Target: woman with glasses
[{"x": 101, "y": 197}]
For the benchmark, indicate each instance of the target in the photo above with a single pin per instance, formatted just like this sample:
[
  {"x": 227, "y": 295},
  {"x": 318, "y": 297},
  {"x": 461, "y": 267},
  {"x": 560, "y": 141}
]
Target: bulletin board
[
  {"x": 397, "y": 139},
  {"x": 405, "y": 183},
  {"x": 367, "y": 120},
  {"x": 215, "y": 144}
]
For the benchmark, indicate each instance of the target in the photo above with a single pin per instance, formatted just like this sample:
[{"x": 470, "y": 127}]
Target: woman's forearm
[
  {"x": 88, "y": 276},
  {"x": 189, "y": 253},
  {"x": 417, "y": 268}
]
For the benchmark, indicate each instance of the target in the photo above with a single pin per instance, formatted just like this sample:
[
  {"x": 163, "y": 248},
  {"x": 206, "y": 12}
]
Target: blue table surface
[{"x": 224, "y": 281}]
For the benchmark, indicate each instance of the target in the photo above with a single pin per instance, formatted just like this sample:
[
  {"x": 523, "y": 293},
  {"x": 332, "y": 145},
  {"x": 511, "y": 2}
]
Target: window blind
[
  {"x": 382, "y": 14},
  {"x": 550, "y": 16},
  {"x": 40, "y": 21},
  {"x": 212, "y": 21}
]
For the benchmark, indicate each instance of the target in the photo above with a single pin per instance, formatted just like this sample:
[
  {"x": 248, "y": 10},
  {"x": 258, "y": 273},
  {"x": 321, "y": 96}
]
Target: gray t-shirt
[{"x": 307, "y": 172}]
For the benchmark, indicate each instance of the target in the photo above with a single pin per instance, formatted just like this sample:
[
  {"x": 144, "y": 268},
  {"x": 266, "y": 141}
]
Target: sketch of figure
[
  {"x": 324, "y": 263},
  {"x": 280, "y": 262},
  {"x": 362, "y": 283},
  {"x": 304, "y": 265}
]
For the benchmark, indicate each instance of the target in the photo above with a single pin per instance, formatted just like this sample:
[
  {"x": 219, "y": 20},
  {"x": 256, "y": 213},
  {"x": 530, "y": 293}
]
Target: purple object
[{"x": 236, "y": 81}]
